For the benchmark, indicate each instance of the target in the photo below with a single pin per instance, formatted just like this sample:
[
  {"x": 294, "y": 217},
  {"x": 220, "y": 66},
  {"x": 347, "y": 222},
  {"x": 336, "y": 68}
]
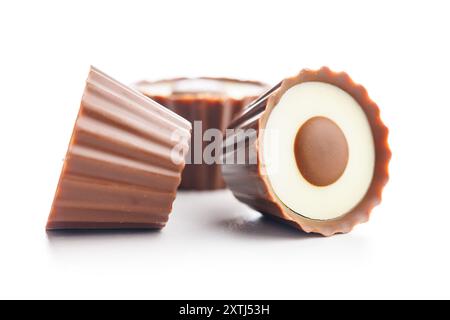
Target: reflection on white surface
[
  {"x": 210, "y": 239},
  {"x": 196, "y": 216}
]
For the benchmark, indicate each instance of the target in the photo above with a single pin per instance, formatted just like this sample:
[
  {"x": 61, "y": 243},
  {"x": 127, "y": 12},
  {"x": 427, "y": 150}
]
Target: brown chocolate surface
[
  {"x": 213, "y": 106},
  {"x": 321, "y": 151},
  {"x": 249, "y": 182},
  {"x": 118, "y": 171}
]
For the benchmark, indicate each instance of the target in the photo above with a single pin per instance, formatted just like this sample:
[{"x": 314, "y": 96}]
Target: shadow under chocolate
[
  {"x": 262, "y": 227},
  {"x": 61, "y": 236}
]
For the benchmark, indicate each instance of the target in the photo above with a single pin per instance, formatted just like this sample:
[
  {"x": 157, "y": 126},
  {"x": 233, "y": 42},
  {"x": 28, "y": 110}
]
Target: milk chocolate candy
[
  {"x": 209, "y": 103},
  {"x": 124, "y": 161},
  {"x": 315, "y": 150}
]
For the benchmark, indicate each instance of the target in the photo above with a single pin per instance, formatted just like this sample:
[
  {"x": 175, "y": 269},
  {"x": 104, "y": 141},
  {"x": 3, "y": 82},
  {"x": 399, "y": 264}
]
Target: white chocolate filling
[{"x": 299, "y": 104}]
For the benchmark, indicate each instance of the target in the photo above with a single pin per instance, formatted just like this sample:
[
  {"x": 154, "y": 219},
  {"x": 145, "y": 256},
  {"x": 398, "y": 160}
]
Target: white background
[{"x": 213, "y": 246}]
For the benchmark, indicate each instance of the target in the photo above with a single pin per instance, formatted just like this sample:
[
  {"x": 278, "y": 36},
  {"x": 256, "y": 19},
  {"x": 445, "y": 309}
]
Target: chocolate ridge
[{"x": 250, "y": 184}]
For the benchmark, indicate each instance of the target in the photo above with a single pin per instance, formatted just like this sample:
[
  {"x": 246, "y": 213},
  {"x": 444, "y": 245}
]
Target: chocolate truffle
[
  {"x": 124, "y": 161},
  {"x": 209, "y": 103},
  {"x": 319, "y": 156}
]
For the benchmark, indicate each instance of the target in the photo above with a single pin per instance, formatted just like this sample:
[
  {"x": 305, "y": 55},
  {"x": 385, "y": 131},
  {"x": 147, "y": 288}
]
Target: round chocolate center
[{"x": 321, "y": 151}]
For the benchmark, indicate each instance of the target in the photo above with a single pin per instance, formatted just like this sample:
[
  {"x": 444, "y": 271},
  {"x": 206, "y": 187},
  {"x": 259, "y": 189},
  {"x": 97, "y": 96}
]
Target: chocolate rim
[
  {"x": 361, "y": 212},
  {"x": 194, "y": 97}
]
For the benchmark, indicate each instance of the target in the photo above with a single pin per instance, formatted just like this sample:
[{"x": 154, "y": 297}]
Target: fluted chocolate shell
[
  {"x": 250, "y": 184},
  {"x": 214, "y": 106},
  {"x": 120, "y": 170}
]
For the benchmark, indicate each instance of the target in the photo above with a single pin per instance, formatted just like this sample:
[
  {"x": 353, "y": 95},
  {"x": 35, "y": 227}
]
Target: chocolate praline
[
  {"x": 320, "y": 153},
  {"x": 208, "y": 103},
  {"x": 119, "y": 170}
]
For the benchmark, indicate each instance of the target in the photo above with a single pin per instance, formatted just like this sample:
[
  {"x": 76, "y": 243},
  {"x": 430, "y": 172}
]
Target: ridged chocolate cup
[
  {"x": 215, "y": 109},
  {"x": 250, "y": 184},
  {"x": 120, "y": 170}
]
